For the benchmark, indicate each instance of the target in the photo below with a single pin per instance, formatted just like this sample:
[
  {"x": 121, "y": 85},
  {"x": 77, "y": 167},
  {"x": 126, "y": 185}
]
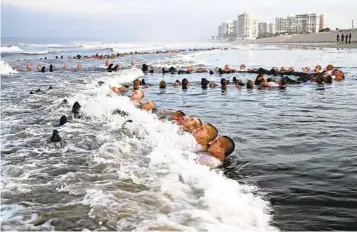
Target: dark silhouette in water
[
  {"x": 43, "y": 69},
  {"x": 37, "y": 90},
  {"x": 100, "y": 83},
  {"x": 51, "y": 68},
  {"x": 31, "y": 92},
  {"x": 63, "y": 120},
  {"x": 144, "y": 68},
  {"x": 55, "y": 138},
  {"x": 76, "y": 110},
  {"x": 110, "y": 67},
  {"x": 64, "y": 101},
  {"x": 50, "y": 87}
]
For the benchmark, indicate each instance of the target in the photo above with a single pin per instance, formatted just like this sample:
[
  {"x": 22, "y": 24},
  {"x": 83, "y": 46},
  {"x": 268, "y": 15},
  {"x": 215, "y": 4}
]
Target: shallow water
[{"x": 294, "y": 167}]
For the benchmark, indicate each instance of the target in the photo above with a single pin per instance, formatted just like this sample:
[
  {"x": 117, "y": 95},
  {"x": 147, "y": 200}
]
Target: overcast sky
[{"x": 152, "y": 20}]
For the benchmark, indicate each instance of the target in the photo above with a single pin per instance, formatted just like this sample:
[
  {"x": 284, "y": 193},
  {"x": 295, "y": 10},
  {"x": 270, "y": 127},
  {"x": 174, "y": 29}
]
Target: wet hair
[
  {"x": 210, "y": 72},
  {"x": 184, "y": 83},
  {"x": 63, "y": 120},
  {"x": 55, "y": 137},
  {"x": 249, "y": 84},
  {"x": 204, "y": 83},
  {"x": 200, "y": 122},
  {"x": 329, "y": 67},
  {"x": 136, "y": 82},
  {"x": 257, "y": 81},
  {"x": 269, "y": 80},
  {"x": 223, "y": 81},
  {"x": 179, "y": 113},
  {"x": 230, "y": 148},
  {"x": 178, "y": 82},
  {"x": 214, "y": 130},
  {"x": 162, "y": 85},
  {"x": 126, "y": 86},
  {"x": 234, "y": 80},
  {"x": 142, "y": 82}
]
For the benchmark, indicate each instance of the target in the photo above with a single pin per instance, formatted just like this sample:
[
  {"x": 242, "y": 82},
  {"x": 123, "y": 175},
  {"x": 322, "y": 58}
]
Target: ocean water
[{"x": 294, "y": 167}]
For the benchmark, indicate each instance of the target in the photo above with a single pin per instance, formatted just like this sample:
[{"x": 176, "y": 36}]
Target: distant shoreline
[{"x": 314, "y": 40}]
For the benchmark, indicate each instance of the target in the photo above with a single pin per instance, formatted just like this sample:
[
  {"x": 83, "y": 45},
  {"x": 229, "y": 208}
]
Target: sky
[{"x": 152, "y": 20}]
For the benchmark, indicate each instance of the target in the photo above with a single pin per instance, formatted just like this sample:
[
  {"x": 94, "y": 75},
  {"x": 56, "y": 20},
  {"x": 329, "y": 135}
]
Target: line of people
[{"x": 345, "y": 39}]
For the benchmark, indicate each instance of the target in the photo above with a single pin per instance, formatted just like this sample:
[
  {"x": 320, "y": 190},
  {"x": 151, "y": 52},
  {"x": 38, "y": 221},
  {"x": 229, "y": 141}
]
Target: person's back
[
  {"x": 338, "y": 38},
  {"x": 349, "y": 38},
  {"x": 346, "y": 38},
  {"x": 342, "y": 38}
]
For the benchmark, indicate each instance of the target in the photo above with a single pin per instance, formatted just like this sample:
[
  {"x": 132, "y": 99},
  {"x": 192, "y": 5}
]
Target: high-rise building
[
  {"x": 322, "y": 22},
  {"x": 220, "y": 32},
  {"x": 247, "y": 26},
  {"x": 308, "y": 23},
  {"x": 271, "y": 28},
  {"x": 291, "y": 24},
  {"x": 262, "y": 28},
  {"x": 280, "y": 25},
  {"x": 235, "y": 28}
]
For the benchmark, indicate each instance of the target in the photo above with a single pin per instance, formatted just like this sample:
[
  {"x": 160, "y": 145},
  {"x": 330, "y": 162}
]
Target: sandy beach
[{"x": 322, "y": 40}]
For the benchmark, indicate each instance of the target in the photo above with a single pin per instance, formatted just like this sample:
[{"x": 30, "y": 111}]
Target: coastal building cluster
[{"x": 247, "y": 26}]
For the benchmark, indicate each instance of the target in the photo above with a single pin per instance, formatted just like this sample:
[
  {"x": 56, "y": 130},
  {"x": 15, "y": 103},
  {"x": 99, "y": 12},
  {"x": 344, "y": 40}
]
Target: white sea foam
[
  {"x": 183, "y": 194},
  {"x": 6, "y": 69},
  {"x": 11, "y": 49}
]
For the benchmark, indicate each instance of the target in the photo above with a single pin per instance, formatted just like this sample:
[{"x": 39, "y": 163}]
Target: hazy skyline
[{"x": 154, "y": 20}]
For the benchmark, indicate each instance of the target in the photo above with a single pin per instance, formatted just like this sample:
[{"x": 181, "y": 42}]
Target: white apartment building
[
  {"x": 271, "y": 28},
  {"x": 266, "y": 28},
  {"x": 247, "y": 26},
  {"x": 235, "y": 28},
  {"x": 322, "y": 21},
  {"x": 280, "y": 24},
  {"x": 308, "y": 23},
  {"x": 301, "y": 23},
  {"x": 291, "y": 24},
  {"x": 220, "y": 32},
  {"x": 262, "y": 28}
]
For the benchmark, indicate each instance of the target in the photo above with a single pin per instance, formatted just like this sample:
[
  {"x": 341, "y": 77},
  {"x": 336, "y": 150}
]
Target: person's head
[
  {"x": 150, "y": 105},
  {"x": 191, "y": 123},
  {"x": 259, "y": 79},
  {"x": 137, "y": 95},
  {"x": 329, "y": 67},
  {"x": 178, "y": 115},
  {"x": 269, "y": 80},
  {"x": 162, "y": 85},
  {"x": 143, "y": 82},
  {"x": 339, "y": 75},
  {"x": 177, "y": 82},
  {"x": 221, "y": 147},
  {"x": 205, "y": 134},
  {"x": 184, "y": 82},
  {"x": 242, "y": 67},
  {"x": 318, "y": 68},
  {"x": 204, "y": 83},
  {"x": 250, "y": 84},
  {"x": 234, "y": 80},
  {"x": 291, "y": 69}
]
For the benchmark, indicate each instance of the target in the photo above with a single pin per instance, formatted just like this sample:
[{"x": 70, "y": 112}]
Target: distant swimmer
[
  {"x": 63, "y": 120},
  {"x": 185, "y": 83},
  {"x": 242, "y": 67},
  {"x": 162, "y": 84},
  {"x": 211, "y": 72},
  {"x": 250, "y": 84},
  {"x": 39, "y": 68},
  {"x": 51, "y": 68},
  {"x": 43, "y": 69},
  {"x": 119, "y": 90},
  {"x": 65, "y": 67},
  {"x": 76, "y": 110},
  {"x": 56, "y": 139},
  {"x": 136, "y": 84},
  {"x": 107, "y": 62},
  {"x": 28, "y": 67},
  {"x": 79, "y": 66}
]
